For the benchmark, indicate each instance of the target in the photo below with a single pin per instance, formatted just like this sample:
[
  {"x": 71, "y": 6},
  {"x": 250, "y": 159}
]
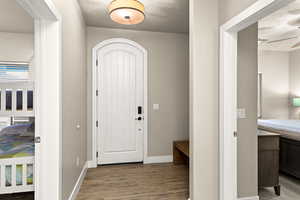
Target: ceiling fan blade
[
  {"x": 281, "y": 40},
  {"x": 296, "y": 45}
]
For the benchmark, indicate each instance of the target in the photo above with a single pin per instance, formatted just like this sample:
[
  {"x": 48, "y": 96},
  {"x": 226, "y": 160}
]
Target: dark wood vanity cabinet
[{"x": 268, "y": 160}]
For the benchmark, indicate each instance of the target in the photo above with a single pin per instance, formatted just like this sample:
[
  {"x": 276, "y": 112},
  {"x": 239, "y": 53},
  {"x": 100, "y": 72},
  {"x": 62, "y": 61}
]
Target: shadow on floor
[
  {"x": 19, "y": 196},
  {"x": 290, "y": 190}
]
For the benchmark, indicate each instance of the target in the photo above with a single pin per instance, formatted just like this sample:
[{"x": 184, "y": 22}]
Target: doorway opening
[
  {"x": 30, "y": 98},
  {"x": 278, "y": 114},
  {"x": 244, "y": 98},
  {"x": 138, "y": 122}
]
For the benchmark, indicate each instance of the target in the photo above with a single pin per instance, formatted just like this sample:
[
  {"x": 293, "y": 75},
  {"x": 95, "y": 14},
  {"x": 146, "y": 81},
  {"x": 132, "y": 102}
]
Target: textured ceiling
[
  {"x": 14, "y": 18},
  {"x": 161, "y": 15},
  {"x": 280, "y": 31}
]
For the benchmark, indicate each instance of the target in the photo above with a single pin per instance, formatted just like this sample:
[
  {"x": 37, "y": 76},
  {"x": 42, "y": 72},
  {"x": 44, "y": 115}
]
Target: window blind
[{"x": 14, "y": 72}]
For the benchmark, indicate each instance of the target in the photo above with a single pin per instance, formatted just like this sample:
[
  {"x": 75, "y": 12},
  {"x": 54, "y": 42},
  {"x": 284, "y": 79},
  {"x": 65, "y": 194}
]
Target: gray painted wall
[
  {"x": 247, "y": 98},
  {"x": 168, "y": 64},
  {"x": 16, "y": 46},
  {"x": 295, "y": 81},
  {"x": 204, "y": 37},
  {"x": 274, "y": 66},
  {"x": 74, "y": 93}
]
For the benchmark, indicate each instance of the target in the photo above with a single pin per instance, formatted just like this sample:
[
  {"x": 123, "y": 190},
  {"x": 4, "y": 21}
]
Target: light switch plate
[
  {"x": 155, "y": 106},
  {"x": 241, "y": 113}
]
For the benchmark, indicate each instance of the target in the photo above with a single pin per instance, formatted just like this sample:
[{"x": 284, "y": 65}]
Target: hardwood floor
[
  {"x": 136, "y": 182},
  {"x": 290, "y": 190},
  {"x": 19, "y": 196}
]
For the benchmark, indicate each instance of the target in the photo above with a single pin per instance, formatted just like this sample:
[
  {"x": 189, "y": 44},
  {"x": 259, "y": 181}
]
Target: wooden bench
[{"x": 181, "y": 152}]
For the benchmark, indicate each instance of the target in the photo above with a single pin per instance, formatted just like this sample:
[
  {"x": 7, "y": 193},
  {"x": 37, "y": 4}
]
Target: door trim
[
  {"x": 228, "y": 91},
  {"x": 94, "y": 162},
  {"x": 48, "y": 58}
]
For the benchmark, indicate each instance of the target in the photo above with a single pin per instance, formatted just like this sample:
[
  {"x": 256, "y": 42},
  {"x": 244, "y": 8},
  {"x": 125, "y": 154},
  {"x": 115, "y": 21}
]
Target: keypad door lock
[{"x": 140, "y": 110}]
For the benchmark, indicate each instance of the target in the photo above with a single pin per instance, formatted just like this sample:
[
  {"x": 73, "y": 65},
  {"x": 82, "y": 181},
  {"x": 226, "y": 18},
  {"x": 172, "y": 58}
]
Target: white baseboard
[
  {"x": 158, "y": 159},
  {"x": 91, "y": 164},
  {"x": 148, "y": 160},
  {"x": 79, "y": 182},
  {"x": 249, "y": 198}
]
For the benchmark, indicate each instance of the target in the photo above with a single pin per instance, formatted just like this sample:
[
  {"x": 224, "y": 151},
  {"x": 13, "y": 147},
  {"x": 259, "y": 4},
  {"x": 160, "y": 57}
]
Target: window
[{"x": 14, "y": 72}]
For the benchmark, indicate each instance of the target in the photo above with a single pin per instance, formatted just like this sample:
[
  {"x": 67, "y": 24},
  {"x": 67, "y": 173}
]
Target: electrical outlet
[{"x": 77, "y": 161}]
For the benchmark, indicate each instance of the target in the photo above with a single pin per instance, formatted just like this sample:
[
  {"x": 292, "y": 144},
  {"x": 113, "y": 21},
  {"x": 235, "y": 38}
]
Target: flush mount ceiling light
[{"x": 127, "y": 11}]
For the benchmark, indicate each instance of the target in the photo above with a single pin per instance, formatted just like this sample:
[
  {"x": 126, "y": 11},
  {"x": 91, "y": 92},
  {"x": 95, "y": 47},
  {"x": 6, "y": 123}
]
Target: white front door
[{"x": 120, "y": 104}]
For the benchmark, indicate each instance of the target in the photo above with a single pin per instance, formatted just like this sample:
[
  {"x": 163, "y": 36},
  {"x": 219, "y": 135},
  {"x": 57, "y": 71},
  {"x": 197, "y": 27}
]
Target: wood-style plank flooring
[{"x": 136, "y": 182}]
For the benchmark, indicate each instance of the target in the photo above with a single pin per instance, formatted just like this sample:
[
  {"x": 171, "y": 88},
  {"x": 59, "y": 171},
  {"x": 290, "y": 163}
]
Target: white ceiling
[
  {"x": 161, "y": 15},
  {"x": 14, "y": 18},
  {"x": 280, "y": 31}
]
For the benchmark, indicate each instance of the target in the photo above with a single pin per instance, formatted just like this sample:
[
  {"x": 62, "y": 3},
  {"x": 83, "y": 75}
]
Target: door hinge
[
  {"x": 97, "y": 92},
  {"x": 97, "y": 154},
  {"x": 97, "y": 62},
  {"x": 37, "y": 140},
  {"x": 235, "y": 133},
  {"x": 97, "y": 123}
]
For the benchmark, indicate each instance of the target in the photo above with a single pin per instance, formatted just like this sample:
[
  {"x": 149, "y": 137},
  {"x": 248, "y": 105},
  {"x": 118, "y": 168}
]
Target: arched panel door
[{"x": 120, "y": 103}]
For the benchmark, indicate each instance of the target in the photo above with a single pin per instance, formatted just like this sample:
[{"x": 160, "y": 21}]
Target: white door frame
[
  {"x": 94, "y": 89},
  {"x": 48, "y": 98},
  {"x": 228, "y": 90}
]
